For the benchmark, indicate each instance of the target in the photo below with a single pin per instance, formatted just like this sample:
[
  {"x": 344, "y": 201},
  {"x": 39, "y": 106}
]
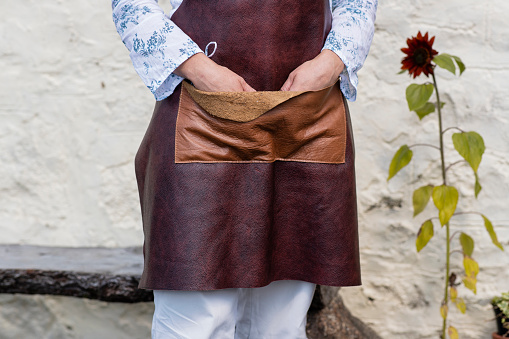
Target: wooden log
[
  {"x": 107, "y": 274},
  {"x": 113, "y": 288},
  {"x": 112, "y": 274},
  {"x": 117, "y": 261}
]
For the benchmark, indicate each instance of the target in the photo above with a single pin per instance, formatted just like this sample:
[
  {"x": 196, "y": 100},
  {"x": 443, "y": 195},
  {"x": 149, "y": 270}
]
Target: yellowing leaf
[
  {"x": 424, "y": 235},
  {"x": 443, "y": 311},
  {"x": 453, "y": 332},
  {"x": 454, "y": 293},
  {"x": 470, "y": 145},
  {"x": 400, "y": 160},
  {"x": 460, "y": 304},
  {"x": 470, "y": 283},
  {"x": 471, "y": 266},
  {"x": 418, "y": 95},
  {"x": 445, "y": 199},
  {"x": 421, "y": 198},
  {"x": 467, "y": 243},
  {"x": 491, "y": 231}
]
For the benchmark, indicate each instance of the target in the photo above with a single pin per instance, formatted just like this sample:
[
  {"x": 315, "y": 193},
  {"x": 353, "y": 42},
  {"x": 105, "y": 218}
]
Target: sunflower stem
[
  {"x": 439, "y": 110},
  {"x": 447, "y": 237}
]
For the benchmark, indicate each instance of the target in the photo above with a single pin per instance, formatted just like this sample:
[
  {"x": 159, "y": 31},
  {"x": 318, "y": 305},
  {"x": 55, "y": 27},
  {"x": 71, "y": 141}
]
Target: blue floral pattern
[
  {"x": 157, "y": 46},
  {"x": 128, "y": 15},
  {"x": 353, "y": 27}
]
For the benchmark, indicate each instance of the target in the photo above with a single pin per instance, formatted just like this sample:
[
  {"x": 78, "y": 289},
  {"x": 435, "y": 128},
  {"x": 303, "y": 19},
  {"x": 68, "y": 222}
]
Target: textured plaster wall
[{"x": 73, "y": 112}]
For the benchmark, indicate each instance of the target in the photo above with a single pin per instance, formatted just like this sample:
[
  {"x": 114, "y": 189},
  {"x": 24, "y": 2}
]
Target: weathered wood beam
[
  {"x": 117, "y": 261},
  {"x": 113, "y": 288},
  {"x": 112, "y": 274},
  {"x": 108, "y": 274}
]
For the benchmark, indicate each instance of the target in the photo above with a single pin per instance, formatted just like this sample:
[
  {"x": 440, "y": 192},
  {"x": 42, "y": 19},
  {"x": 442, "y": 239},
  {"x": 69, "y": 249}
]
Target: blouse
[{"x": 157, "y": 46}]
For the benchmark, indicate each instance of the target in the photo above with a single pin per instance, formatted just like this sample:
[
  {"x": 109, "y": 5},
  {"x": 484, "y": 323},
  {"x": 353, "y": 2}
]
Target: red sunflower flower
[{"x": 419, "y": 55}]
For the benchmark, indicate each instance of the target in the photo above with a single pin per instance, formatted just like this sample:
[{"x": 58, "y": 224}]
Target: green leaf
[
  {"x": 477, "y": 186},
  {"x": 470, "y": 146},
  {"x": 491, "y": 231},
  {"x": 467, "y": 243},
  {"x": 444, "y": 60},
  {"x": 445, "y": 199},
  {"x": 471, "y": 266},
  {"x": 400, "y": 160},
  {"x": 402, "y": 71},
  {"x": 418, "y": 95},
  {"x": 428, "y": 108},
  {"x": 421, "y": 198},
  {"x": 460, "y": 63},
  {"x": 424, "y": 235}
]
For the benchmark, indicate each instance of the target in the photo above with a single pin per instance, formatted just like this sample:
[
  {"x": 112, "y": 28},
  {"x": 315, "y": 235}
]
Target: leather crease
[{"x": 308, "y": 126}]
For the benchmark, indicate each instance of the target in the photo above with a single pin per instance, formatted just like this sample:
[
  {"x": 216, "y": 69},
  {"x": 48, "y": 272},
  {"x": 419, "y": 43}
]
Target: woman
[{"x": 246, "y": 171}]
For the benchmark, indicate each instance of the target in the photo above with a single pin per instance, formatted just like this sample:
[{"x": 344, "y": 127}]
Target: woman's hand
[
  {"x": 320, "y": 72},
  {"x": 206, "y": 75}
]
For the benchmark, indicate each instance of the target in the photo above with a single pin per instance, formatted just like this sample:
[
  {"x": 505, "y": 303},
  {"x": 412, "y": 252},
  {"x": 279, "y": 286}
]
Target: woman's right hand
[{"x": 206, "y": 75}]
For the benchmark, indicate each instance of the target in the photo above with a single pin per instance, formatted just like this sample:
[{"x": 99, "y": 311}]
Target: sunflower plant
[{"x": 421, "y": 59}]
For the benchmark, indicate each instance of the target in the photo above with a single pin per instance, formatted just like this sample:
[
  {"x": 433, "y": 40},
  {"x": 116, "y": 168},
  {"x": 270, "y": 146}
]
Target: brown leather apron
[{"x": 241, "y": 189}]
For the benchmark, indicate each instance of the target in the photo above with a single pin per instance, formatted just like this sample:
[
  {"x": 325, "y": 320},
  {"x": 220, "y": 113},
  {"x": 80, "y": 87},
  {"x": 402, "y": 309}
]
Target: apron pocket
[{"x": 264, "y": 126}]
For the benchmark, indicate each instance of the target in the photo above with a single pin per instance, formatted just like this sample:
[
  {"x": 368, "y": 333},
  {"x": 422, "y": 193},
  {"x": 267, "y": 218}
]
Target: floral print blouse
[{"x": 157, "y": 46}]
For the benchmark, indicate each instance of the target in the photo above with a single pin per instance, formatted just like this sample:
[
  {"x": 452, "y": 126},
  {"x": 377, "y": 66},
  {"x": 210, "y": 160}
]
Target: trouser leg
[
  {"x": 194, "y": 314},
  {"x": 278, "y": 310}
]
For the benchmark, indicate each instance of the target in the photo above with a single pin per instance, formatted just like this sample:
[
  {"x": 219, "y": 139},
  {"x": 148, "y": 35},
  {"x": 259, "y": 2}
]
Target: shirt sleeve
[
  {"x": 353, "y": 26},
  {"x": 156, "y": 45}
]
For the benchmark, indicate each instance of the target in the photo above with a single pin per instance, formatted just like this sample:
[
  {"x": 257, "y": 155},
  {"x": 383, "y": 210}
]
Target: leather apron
[{"x": 241, "y": 189}]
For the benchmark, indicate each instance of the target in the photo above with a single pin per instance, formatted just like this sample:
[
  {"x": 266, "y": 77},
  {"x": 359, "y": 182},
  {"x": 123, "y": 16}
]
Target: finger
[
  {"x": 234, "y": 84},
  {"x": 247, "y": 88},
  {"x": 288, "y": 83},
  {"x": 296, "y": 84}
]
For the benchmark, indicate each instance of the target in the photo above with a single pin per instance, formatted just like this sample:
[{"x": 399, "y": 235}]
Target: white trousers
[{"x": 278, "y": 310}]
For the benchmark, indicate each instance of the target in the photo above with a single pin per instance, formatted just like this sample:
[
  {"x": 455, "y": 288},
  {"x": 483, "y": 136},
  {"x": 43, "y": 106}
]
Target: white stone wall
[{"x": 73, "y": 113}]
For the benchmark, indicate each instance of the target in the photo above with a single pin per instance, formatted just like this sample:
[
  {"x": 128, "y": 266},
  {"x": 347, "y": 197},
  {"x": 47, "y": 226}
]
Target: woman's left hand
[{"x": 320, "y": 72}]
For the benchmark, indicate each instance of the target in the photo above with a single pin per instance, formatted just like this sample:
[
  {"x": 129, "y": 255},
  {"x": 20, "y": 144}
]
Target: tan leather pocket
[{"x": 262, "y": 126}]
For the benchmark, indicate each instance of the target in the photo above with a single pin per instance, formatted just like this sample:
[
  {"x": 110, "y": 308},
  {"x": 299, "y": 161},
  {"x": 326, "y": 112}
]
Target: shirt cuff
[
  {"x": 157, "y": 73},
  {"x": 349, "y": 79},
  {"x": 163, "y": 89}
]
